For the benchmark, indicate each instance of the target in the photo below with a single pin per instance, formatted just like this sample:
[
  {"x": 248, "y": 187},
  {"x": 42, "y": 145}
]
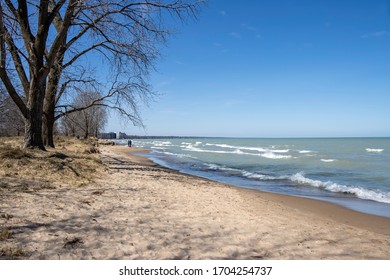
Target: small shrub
[
  {"x": 91, "y": 150},
  {"x": 5, "y": 234},
  {"x": 46, "y": 186},
  {"x": 12, "y": 253}
]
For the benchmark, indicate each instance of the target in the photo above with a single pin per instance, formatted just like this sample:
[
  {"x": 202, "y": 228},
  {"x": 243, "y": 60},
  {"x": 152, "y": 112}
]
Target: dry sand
[{"x": 138, "y": 210}]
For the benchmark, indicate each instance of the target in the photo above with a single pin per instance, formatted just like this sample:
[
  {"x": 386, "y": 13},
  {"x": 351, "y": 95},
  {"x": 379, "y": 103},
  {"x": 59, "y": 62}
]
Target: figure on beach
[{"x": 129, "y": 143}]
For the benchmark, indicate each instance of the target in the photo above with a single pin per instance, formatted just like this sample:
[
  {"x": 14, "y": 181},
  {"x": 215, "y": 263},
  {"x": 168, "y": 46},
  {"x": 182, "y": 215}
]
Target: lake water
[{"x": 352, "y": 172}]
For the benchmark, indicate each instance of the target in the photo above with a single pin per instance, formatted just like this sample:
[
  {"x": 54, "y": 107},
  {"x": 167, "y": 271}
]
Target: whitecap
[
  {"x": 179, "y": 155},
  {"x": 257, "y": 149},
  {"x": 251, "y": 175},
  {"x": 327, "y": 160},
  {"x": 213, "y": 166},
  {"x": 271, "y": 155},
  {"x": 221, "y": 145},
  {"x": 280, "y": 151},
  {"x": 359, "y": 192},
  {"x": 238, "y": 147},
  {"x": 194, "y": 149},
  {"x": 254, "y": 149},
  {"x": 370, "y": 150},
  {"x": 305, "y": 152},
  {"x": 161, "y": 143}
]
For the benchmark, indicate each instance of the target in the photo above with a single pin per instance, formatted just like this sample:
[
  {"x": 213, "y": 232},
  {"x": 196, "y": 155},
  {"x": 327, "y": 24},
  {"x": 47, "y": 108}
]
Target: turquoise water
[{"x": 353, "y": 172}]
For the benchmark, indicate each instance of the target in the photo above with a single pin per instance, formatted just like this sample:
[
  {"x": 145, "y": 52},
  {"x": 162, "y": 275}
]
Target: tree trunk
[
  {"x": 33, "y": 130},
  {"x": 33, "y": 123},
  {"x": 50, "y": 98},
  {"x": 48, "y": 124},
  {"x": 86, "y": 134},
  {"x": 50, "y": 132}
]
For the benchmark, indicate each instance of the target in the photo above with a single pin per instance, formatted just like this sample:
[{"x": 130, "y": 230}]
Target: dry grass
[
  {"x": 106, "y": 143},
  {"x": 73, "y": 162},
  {"x": 5, "y": 233},
  {"x": 12, "y": 253}
]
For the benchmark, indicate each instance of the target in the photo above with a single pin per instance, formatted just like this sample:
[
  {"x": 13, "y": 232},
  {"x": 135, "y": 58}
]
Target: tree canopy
[{"x": 48, "y": 48}]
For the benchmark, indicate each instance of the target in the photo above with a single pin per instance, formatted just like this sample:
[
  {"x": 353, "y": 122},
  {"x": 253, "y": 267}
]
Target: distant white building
[{"x": 121, "y": 135}]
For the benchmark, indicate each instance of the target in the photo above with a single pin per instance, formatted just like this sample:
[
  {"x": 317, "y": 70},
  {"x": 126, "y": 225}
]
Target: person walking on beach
[{"x": 129, "y": 143}]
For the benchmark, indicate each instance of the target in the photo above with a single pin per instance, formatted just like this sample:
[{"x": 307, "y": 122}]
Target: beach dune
[{"x": 139, "y": 210}]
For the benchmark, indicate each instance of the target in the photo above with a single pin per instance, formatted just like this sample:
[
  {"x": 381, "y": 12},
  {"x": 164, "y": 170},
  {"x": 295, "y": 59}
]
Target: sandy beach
[{"x": 135, "y": 209}]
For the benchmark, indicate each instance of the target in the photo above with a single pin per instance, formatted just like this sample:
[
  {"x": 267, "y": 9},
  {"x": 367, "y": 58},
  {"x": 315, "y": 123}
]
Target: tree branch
[{"x": 3, "y": 72}]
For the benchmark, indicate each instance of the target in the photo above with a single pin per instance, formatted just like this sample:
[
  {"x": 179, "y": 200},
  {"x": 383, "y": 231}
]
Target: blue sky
[{"x": 297, "y": 68}]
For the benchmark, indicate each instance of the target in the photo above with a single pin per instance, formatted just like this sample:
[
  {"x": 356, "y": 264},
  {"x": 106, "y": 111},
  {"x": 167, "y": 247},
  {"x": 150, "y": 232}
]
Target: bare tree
[
  {"x": 85, "y": 122},
  {"x": 40, "y": 40},
  {"x": 26, "y": 51},
  {"x": 11, "y": 120}
]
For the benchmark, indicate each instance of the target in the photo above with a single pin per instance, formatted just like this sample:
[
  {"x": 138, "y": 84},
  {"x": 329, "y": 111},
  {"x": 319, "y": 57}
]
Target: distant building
[
  {"x": 113, "y": 135},
  {"x": 108, "y": 135},
  {"x": 121, "y": 135}
]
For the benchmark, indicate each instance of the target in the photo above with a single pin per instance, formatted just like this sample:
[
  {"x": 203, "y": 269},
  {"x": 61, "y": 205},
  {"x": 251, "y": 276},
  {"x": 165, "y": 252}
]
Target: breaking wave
[
  {"x": 370, "y": 150},
  {"x": 305, "y": 152},
  {"x": 265, "y": 153},
  {"x": 174, "y": 154},
  {"x": 299, "y": 178},
  {"x": 327, "y": 160},
  {"x": 359, "y": 192},
  {"x": 258, "y": 149}
]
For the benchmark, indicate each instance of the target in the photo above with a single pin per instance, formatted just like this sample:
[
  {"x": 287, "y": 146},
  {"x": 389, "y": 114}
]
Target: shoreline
[
  {"x": 308, "y": 168},
  {"x": 134, "y": 209},
  {"x": 325, "y": 209}
]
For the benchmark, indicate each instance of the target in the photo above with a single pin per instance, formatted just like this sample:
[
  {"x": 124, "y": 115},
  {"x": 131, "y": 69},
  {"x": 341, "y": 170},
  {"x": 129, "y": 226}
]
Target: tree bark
[
  {"x": 48, "y": 127},
  {"x": 33, "y": 130},
  {"x": 33, "y": 122},
  {"x": 49, "y": 115}
]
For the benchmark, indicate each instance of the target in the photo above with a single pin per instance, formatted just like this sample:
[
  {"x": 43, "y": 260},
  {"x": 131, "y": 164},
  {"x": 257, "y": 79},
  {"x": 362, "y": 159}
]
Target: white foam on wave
[
  {"x": 237, "y": 147},
  {"x": 359, "y": 192},
  {"x": 299, "y": 178},
  {"x": 370, "y": 150},
  {"x": 272, "y": 155},
  {"x": 220, "y": 145},
  {"x": 327, "y": 160},
  {"x": 253, "y": 149},
  {"x": 268, "y": 154},
  {"x": 213, "y": 166},
  {"x": 257, "y": 149},
  {"x": 281, "y": 151},
  {"x": 161, "y": 143},
  {"x": 305, "y": 152},
  {"x": 195, "y": 149},
  {"x": 237, "y": 151},
  {"x": 174, "y": 154},
  {"x": 244, "y": 173},
  {"x": 251, "y": 175}
]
